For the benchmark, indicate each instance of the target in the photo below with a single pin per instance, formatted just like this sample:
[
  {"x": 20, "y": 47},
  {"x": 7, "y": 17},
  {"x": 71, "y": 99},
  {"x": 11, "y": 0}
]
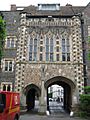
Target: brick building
[{"x": 46, "y": 45}]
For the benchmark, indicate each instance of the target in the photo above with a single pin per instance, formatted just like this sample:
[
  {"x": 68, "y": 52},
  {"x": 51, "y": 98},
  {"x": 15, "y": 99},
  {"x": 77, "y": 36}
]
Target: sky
[{"x": 5, "y": 4}]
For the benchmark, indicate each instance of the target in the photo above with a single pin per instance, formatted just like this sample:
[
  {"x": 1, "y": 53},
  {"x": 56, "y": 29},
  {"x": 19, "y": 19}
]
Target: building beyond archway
[{"x": 69, "y": 88}]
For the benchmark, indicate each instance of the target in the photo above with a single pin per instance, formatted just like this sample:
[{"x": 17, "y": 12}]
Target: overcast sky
[{"x": 5, "y": 4}]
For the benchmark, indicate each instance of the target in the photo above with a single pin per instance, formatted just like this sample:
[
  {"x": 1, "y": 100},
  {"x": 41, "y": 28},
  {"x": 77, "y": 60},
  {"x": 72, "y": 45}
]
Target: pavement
[
  {"x": 57, "y": 113},
  {"x": 36, "y": 116},
  {"x": 50, "y": 117}
]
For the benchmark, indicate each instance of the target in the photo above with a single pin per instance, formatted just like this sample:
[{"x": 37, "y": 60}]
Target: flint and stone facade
[{"x": 46, "y": 45}]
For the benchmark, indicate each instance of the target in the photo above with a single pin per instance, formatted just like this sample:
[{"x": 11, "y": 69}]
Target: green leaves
[
  {"x": 88, "y": 39},
  {"x": 88, "y": 55},
  {"x": 87, "y": 89},
  {"x": 2, "y": 36},
  {"x": 85, "y": 101},
  {"x": 2, "y": 29}
]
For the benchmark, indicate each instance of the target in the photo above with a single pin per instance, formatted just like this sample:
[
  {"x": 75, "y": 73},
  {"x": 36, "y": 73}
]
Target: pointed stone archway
[
  {"x": 32, "y": 92},
  {"x": 69, "y": 88}
]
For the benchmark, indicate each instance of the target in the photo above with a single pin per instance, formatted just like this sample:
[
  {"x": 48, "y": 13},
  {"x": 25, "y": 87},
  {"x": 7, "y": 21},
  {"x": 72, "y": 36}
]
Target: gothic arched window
[
  {"x": 65, "y": 50},
  {"x": 33, "y": 49},
  {"x": 47, "y": 49},
  {"x": 30, "y": 49}
]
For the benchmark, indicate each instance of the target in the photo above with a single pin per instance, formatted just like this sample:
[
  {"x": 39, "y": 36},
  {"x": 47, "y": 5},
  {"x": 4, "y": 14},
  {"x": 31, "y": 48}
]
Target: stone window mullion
[
  {"x": 33, "y": 50},
  {"x": 8, "y": 65}
]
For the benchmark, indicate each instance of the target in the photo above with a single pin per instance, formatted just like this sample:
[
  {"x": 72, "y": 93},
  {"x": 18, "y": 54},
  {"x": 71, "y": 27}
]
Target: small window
[
  {"x": 51, "y": 56},
  {"x": 10, "y": 66},
  {"x": 63, "y": 41},
  {"x": 41, "y": 37},
  {"x": 8, "y": 88},
  {"x": 41, "y": 42},
  {"x": 57, "y": 49},
  {"x": 47, "y": 56},
  {"x": 63, "y": 48},
  {"x": 4, "y": 87},
  {"x": 57, "y": 42},
  {"x": 57, "y": 37},
  {"x": 41, "y": 48},
  {"x": 30, "y": 56},
  {"x": 63, "y": 57},
  {"x": 51, "y": 41},
  {"x": 51, "y": 49},
  {"x": 35, "y": 41},
  {"x": 47, "y": 48},
  {"x": 41, "y": 57},
  {"x": 35, "y": 57},
  {"x": 57, "y": 57},
  {"x": 8, "y": 43},
  {"x": 47, "y": 41},
  {"x": 68, "y": 56},
  {"x": 35, "y": 48},
  {"x": 6, "y": 65},
  {"x": 31, "y": 48},
  {"x": 67, "y": 41},
  {"x": 49, "y": 6},
  {"x": 31, "y": 41},
  {"x": 68, "y": 49},
  {"x": 12, "y": 43}
]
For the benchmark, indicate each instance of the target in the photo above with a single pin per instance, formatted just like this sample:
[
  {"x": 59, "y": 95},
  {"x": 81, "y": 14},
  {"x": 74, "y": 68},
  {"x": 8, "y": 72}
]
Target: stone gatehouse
[{"x": 45, "y": 45}]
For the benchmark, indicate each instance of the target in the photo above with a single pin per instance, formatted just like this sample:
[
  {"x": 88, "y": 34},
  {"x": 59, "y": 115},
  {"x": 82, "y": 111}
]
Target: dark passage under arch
[
  {"x": 32, "y": 93},
  {"x": 30, "y": 99}
]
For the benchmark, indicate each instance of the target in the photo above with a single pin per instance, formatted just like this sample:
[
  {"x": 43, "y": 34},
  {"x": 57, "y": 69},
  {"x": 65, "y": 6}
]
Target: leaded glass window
[
  {"x": 41, "y": 57},
  {"x": 8, "y": 66},
  {"x": 65, "y": 50},
  {"x": 57, "y": 57},
  {"x": 33, "y": 49}
]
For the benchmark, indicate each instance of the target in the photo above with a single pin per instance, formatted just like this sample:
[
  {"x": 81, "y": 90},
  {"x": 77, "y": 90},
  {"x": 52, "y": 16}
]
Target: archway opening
[
  {"x": 55, "y": 98},
  {"x": 63, "y": 101},
  {"x": 32, "y": 97}
]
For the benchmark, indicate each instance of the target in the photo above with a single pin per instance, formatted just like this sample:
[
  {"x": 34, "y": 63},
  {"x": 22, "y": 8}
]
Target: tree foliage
[
  {"x": 88, "y": 55},
  {"x": 87, "y": 89},
  {"x": 85, "y": 102},
  {"x": 2, "y": 36}
]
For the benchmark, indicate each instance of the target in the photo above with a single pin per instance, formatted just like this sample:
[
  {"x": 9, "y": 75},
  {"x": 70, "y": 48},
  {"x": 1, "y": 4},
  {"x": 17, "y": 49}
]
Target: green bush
[
  {"x": 2, "y": 36},
  {"x": 85, "y": 102},
  {"x": 83, "y": 114},
  {"x": 87, "y": 89}
]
